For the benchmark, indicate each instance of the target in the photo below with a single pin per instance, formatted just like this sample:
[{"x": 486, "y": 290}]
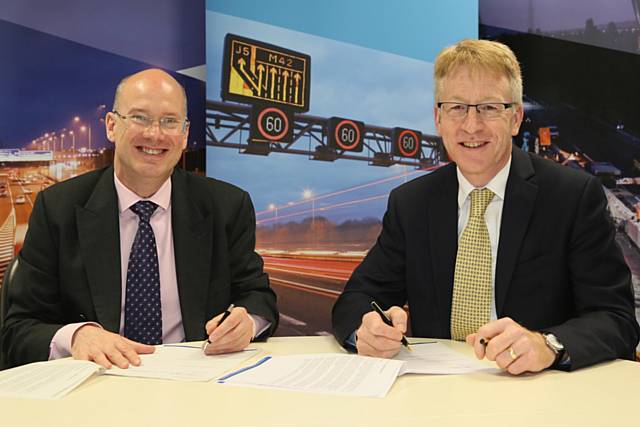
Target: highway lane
[
  {"x": 28, "y": 192},
  {"x": 5, "y": 208},
  {"x": 307, "y": 289}
]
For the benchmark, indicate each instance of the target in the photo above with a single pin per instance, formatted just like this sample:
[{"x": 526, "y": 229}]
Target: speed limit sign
[
  {"x": 271, "y": 124},
  {"x": 345, "y": 134},
  {"x": 406, "y": 142}
]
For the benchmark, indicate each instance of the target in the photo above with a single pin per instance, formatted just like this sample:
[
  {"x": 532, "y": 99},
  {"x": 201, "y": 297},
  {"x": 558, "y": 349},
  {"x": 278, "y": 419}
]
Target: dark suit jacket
[
  {"x": 558, "y": 269},
  {"x": 69, "y": 266}
]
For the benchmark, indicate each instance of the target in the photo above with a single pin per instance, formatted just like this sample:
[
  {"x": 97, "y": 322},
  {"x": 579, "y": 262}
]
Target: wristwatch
[{"x": 555, "y": 346}]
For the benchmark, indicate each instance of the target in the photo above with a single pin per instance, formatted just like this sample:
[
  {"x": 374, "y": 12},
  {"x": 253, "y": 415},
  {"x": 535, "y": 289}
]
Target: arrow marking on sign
[
  {"x": 260, "y": 73},
  {"x": 285, "y": 74},
  {"x": 273, "y": 73},
  {"x": 296, "y": 77},
  {"x": 248, "y": 79}
]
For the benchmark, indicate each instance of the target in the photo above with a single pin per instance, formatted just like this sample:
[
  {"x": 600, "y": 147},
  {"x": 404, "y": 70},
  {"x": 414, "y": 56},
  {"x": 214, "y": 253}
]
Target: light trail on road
[
  {"x": 306, "y": 288},
  {"x": 305, "y": 273},
  {"x": 323, "y": 208},
  {"x": 347, "y": 190}
]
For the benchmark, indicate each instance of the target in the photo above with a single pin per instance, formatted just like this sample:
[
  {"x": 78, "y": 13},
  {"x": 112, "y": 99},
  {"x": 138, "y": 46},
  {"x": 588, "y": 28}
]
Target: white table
[{"x": 603, "y": 395}]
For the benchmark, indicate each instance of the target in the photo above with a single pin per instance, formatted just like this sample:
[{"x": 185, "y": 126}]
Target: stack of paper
[
  {"x": 340, "y": 374},
  {"x": 183, "y": 363},
  {"x": 54, "y": 379},
  {"x": 435, "y": 358},
  {"x": 46, "y": 380},
  {"x": 349, "y": 374}
]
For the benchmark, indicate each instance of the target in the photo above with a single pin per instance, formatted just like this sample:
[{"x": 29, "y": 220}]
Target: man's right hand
[
  {"x": 377, "y": 339},
  {"x": 91, "y": 342}
]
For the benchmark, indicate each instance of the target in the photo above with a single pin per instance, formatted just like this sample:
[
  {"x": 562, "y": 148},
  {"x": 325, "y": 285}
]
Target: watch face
[{"x": 553, "y": 342}]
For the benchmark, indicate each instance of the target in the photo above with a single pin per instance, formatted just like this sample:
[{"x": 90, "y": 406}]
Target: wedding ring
[{"x": 512, "y": 353}]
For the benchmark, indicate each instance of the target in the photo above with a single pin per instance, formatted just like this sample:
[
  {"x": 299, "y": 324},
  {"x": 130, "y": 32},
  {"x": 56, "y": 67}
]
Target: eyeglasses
[
  {"x": 168, "y": 125},
  {"x": 486, "y": 110}
]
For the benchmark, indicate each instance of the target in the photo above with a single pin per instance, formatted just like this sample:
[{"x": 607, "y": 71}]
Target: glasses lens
[
  {"x": 455, "y": 110},
  {"x": 140, "y": 120},
  {"x": 169, "y": 124},
  {"x": 491, "y": 111}
]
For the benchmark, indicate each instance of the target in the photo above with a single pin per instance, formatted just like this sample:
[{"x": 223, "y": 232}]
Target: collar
[
  {"x": 127, "y": 198},
  {"x": 497, "y": 185}
]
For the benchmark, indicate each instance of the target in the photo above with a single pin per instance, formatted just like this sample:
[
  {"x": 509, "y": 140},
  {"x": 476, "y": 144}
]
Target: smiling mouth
[
  {"x": 474, "y": 144},
  {"x": 151, "y": 151}
]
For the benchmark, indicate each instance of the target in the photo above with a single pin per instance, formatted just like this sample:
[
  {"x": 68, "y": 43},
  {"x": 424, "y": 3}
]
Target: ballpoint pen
[
  {"x": 226, "y": 314},
  {"x": 388, "y": 321}
]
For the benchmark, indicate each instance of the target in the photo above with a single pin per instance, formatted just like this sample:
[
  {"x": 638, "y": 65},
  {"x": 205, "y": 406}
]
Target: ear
[
  {"x": 517, "y": 120},
  {"x": 437, "y": 117},
  {"x": 109, "y": 125},
  {"x": 185, "y": 138}
]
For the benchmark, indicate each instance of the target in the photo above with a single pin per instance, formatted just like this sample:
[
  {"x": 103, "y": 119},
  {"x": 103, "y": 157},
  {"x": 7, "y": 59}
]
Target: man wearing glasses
[
  {"x": 141, "y": 253},
  {"x": 510, "y": 252}
]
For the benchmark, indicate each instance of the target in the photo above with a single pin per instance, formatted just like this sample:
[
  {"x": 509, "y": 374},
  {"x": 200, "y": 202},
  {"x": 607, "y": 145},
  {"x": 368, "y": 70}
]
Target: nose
[
  {"x": 472, "y": 121},
  {"x": 153, "y": 130}
]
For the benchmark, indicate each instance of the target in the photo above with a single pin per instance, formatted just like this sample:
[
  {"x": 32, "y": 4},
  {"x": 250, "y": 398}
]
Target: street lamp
[
  {"x": 308, "y": 194},
  {"x": 73, "y": 148},
  {"x": 87, "y": 128},
  {"x": 274, "y": 207}
]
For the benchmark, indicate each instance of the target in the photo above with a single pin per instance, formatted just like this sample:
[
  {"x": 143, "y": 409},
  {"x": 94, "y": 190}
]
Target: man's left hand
[
  {"x": 234, "y": 334},
  {"x": 513, "y": 347}
]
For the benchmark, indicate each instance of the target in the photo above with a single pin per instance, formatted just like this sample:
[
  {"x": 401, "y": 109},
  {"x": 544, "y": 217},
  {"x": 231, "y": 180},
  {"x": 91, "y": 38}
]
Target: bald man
[{"x": 140, "y": 253}]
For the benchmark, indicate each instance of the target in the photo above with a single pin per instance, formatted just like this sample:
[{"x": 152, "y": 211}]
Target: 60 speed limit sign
[
  {"x": 271, "y": 124},
  {"x": 406, "y": 142},
  {"x": 345, "y": 134}
]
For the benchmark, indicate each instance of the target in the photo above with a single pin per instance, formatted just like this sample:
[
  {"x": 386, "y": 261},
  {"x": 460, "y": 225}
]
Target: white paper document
[
  {"x": 46, "y": 380},
  {"x": 340, "y": 374},
  {"x": 183, "y": 363},
  {"x": 436, "y": 358},
  {"x": 54, "y": 379}
]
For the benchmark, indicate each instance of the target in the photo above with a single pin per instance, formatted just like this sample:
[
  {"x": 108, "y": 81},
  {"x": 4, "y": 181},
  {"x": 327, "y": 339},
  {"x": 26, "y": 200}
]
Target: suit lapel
[
  {"x": 193, "y": 242},
  {"x": 520, "y": 196},
  {"x": 443, "y": 226},
  {"x": 99, "y": 237}
]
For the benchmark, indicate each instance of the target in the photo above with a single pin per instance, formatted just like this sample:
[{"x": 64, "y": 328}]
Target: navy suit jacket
[
  {"x": 69, "y": 266},
  {"x": 558, "y": 268}
]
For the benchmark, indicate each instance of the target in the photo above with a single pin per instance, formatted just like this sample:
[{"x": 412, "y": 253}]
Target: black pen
[
  {"x": 484, "y": 341},
  {"x": 226, "y": 314},
  {"x": 388, "y": 321}
]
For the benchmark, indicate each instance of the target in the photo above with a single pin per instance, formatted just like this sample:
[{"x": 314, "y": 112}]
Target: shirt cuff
[
  {"x": 61, "y": 342},
  {"x": 564, "y": 363},
  {"x": 350, "y": 342},
  {"x": 260, "y": 324}
]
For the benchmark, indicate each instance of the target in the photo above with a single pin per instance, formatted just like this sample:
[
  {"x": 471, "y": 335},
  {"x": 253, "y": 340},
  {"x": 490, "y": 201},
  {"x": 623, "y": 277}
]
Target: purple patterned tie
[{"x": 142, "y": 310}]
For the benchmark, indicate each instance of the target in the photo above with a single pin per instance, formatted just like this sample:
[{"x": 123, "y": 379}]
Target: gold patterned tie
[{"x": 472, "y": 289}]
